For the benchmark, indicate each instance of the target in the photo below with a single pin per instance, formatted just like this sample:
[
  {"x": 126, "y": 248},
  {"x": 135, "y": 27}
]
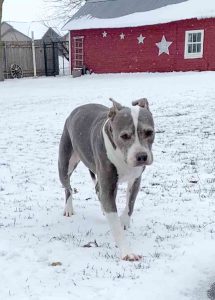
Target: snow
[
  {"x": 173, "y": 222},
  {"x": 181, "y": 11}
]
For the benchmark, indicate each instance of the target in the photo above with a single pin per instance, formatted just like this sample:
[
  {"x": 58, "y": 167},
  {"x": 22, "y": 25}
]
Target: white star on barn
[
  {"x": 104, "y": 34},
  {"x": 140, "y": 39},
  {"x": 163, "y": 46},
  {"x": 122, "y": 36}
]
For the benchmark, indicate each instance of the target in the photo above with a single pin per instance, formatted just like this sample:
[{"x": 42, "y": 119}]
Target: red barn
[{"x": 109, "y": 36}]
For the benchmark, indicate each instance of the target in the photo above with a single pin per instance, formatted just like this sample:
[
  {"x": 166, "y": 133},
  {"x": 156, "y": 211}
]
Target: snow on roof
[
  {"x": 117, "y": 8},
  {"x": 111, "y": 14},
  {"x": 26, "y": 28}
]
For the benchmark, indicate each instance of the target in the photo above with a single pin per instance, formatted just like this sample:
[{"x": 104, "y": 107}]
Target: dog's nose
[{"x": 141, "y": 157}]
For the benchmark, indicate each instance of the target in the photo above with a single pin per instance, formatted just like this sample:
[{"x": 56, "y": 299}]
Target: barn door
[{"x": 78, "y": 51}]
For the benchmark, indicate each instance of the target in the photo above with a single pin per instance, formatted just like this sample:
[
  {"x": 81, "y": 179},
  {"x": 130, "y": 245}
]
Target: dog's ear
[
  {"x": 142, "y": 103},
  {"x": 114, "y": 109},
  {"x": 116, "y": 105}
]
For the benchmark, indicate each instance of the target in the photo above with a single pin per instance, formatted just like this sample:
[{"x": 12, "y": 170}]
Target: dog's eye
[
  {"x": 148, "y": 133},
  {"x": 125, "y": 136}
]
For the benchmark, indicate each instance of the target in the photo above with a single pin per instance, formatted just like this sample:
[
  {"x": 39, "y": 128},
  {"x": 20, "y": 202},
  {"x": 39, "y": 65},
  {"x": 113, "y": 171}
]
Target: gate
[{"x": 55, "y": 52}]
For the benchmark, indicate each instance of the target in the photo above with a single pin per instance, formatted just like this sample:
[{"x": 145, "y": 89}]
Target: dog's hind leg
[
  {"x": 73, "y": 162},
  {"x": 131, "y": 194},
  {"x": 67, "y": 162}
]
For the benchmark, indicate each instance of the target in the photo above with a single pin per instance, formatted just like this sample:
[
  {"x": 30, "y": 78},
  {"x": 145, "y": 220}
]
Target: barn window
[{"x": 194, "y": 44}]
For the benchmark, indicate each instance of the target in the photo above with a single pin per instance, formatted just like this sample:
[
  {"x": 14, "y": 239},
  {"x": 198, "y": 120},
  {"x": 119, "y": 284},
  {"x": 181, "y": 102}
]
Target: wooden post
[
  {"x": 1, "y": 46},
  {"x": 70, "y": 54},
  {"x": 5, "y": 60},
  {"x": 1, "y": 61},
  {"x": 33, "y": 52},
  {"x": 45, "y": 58},
  {"x": 53, "y": 57}
]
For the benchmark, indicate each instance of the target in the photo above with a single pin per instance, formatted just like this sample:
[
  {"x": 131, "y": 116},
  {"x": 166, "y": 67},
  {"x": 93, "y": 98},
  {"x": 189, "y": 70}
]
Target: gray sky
[{"x": 24, "y": 10}]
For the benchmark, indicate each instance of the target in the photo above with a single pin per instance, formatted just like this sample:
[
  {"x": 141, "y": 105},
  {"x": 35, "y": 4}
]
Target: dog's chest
[
  {"x": 124, "y": 171},
  {"x": 127, "y": 174}
]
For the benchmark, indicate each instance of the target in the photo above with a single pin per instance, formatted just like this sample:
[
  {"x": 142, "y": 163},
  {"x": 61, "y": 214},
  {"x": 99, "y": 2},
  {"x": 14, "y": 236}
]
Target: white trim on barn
[
  {"x": 194, "y": 44},
  {"x": 70, "y": 55},
  {"x": 78, "y": 37}
]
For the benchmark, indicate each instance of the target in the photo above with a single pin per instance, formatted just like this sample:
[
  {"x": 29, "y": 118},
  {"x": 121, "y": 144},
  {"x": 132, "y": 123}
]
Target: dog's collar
[{"x": 108, "y": 131}]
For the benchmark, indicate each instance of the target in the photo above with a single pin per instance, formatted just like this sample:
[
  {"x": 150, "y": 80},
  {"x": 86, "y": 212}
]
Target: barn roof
[
  {"x": 9, "y": 33},
  {"x": 26, "y": 28},
  {"x": 131, "y": 13},
  {"x": 118, "y": 8}
]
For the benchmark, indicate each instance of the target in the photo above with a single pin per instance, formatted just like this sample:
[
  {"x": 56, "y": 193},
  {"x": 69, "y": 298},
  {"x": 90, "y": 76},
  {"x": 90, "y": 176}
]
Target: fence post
[
  {"x": 1, "y": 61},
  {"x": 5, "y": 60},
  {"x": 45, "y": 58},
  {"x": 53, "y": 57},
  {"x": 33, "y": 52}
]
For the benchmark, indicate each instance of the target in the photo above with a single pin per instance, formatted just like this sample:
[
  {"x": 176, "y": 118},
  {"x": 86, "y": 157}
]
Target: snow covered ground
[{"x": 173, "y": 225}]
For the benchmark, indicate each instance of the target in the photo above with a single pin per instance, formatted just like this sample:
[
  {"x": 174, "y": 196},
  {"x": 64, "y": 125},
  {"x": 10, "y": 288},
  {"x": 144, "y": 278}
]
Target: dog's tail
[{"x": 65, "y": 153}]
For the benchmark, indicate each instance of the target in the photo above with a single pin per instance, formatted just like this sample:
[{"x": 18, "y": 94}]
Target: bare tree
[
  {"x": 62, "y": 10},
  {"x": 1, "y": 46}
]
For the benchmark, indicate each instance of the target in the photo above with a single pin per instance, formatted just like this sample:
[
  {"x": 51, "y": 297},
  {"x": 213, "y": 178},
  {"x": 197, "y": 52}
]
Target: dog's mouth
[
  {"x": 139, "y": 164},
  {"x": 142, "y": 163}
]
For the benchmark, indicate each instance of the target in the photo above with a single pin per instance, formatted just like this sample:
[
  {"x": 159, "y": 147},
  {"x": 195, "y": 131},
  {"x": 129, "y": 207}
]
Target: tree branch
[{"x": 63, "y": 9}]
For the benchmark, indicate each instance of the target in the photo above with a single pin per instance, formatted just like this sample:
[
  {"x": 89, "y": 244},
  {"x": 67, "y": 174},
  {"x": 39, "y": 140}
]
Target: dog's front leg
[
  {"x": 131, "y": 195},
  {"x": 107, "y": 195}
]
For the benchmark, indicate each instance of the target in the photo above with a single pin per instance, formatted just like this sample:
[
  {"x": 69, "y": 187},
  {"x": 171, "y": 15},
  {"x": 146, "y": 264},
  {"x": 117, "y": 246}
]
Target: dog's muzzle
[{"x": 143, "y": 159}]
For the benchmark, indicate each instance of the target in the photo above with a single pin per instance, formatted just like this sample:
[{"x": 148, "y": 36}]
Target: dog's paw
[
  {"x": 68, "y": 213},
  {"x": 132, "y": 257},
  {"x": 125, "y": 221},
  {"x": 68, "y": 210}
]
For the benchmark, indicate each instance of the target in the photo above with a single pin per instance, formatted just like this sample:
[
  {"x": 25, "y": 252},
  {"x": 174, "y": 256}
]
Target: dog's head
[{"x": 132, "y": 131}]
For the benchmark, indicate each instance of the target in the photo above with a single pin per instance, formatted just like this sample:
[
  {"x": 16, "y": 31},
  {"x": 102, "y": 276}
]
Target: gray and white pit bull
[{"x": 116, "y": 146}]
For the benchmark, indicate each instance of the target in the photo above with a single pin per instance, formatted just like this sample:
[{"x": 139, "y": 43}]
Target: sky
[
  {"x": 24, "y": 10},
  {"x": 31, "y": 14}
]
